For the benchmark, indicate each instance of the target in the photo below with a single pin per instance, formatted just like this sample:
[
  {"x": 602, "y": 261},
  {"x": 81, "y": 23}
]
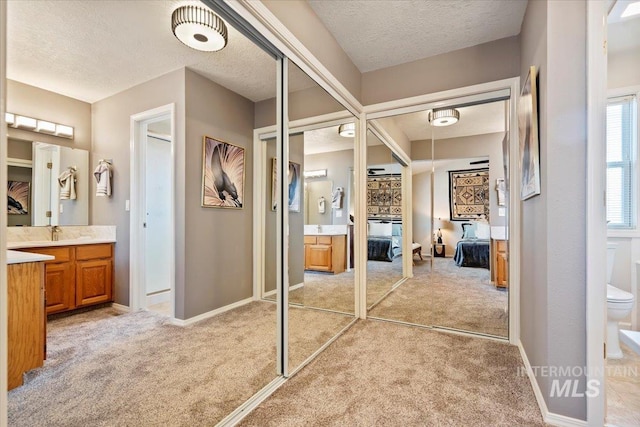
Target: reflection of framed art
[
  {"x": 222, "y": 174},
  {"x": 529, "y": 144},
  {"x": 18, "y": 197},
  {"x": 294, "y": 185},
  {"x": 469, "y": 194}
]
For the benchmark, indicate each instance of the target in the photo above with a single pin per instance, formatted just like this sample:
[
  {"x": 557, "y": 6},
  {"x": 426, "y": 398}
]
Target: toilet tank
[{"x": 611, "y": 255}]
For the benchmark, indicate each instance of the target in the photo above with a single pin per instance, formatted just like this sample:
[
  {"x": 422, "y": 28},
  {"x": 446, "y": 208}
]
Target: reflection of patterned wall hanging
[
  {"x": 469, "y": 194},
  {"x": 18, "y": 197},
  {"x": 384, "y": 196},
  {"x": 222, "y": 174}
]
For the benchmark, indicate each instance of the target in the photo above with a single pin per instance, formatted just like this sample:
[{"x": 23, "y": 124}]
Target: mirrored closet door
[{"x": 459, "y": 209}]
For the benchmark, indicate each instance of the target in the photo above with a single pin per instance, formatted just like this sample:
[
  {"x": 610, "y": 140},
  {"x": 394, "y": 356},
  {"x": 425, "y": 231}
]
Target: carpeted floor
[
  {"x": 105, "y": 369},
  {"x": 454, "y": 297},
  {"x": 385, "y": 374},
  {"x": 336, "y": 291}
]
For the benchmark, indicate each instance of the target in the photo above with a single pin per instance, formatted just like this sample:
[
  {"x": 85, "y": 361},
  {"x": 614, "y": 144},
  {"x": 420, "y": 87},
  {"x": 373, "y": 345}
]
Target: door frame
[
  {"x": 596, "y": 239},
  {"x": 137, "y": 290}
]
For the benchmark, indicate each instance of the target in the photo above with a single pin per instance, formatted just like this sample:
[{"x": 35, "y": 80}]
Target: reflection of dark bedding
[
  {"x": 472, "y": 253},
  {"x": 379, "y": 248}
]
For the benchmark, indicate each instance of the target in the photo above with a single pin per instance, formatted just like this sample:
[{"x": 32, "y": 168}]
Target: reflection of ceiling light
[
  {"x": 315, "y": 174},
  {"x": 444, "y": 117},
  {"x": 348, "y": 130},
  {"x": 631, "y": 10},
  {"x": 199, "y": 28}
]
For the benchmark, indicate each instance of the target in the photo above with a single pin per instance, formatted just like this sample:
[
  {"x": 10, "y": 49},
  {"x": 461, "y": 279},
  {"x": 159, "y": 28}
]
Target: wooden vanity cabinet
[
  {"x": 79, "y": 276},
  {"x": 500, "y": 264},
  {"x": 325, "y": 253}
]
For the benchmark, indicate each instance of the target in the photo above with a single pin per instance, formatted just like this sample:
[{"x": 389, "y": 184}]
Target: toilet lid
[{"x": 618, "y": 295}]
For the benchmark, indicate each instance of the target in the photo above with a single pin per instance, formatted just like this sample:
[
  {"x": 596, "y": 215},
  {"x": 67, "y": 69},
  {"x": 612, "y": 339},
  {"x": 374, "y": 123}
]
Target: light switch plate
[{"x": 126, "y": 205}]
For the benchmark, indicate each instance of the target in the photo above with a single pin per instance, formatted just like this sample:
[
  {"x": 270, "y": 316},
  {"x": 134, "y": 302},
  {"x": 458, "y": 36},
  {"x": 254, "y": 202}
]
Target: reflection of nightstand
[{"x": 439, "y": 250}]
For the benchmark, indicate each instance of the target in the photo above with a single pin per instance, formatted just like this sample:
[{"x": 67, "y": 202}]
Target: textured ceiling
[
  {"x": 325, "y": 140},
  {"x": 93, "y": 49},
  {"x": 383, "y": 33}
]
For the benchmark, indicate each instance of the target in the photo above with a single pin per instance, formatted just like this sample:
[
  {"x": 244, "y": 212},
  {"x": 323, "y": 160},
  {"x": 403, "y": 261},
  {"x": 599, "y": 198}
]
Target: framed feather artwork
[{"x": 222, "y": 174}]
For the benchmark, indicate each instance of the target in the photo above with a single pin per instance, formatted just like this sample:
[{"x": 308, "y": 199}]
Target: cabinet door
[
  {"x": 502, "y": 267},
  {"x": 318, "y": 257},
  {"x": 59, "y": 287},
  {"x": 93, "y": 281}
]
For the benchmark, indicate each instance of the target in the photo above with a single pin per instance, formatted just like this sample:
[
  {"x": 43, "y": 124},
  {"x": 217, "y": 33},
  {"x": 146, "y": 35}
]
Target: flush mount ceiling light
[
  {"x": 631, "y": 10},
  {"x": 444, "y": 117},
  {"x": 199, "y": 28},
  {"x": 348, "y": 130}
]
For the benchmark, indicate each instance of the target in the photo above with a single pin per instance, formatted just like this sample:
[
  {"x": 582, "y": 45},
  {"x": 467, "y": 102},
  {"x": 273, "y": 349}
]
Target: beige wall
[
  {"x": 305, "y": 103},
  {"x": 110, "y": 127},
  {"x": 218, "y": 242},
  {"x": 42, "y": 104},
  {"x": 623, "y": 69},
  {"x": 477, "y": 64},
  {"x": 337, "y": 164},
  {"x": 305, "y": 25},
  {"x": 553, "y": 258},
  {"x": 390, "y": 126}
]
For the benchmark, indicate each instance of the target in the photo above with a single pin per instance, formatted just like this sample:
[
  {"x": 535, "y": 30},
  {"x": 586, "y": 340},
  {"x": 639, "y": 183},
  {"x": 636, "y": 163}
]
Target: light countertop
[
  {"x": 17, "y": 257},
  {"x": 61, "y": 242}
]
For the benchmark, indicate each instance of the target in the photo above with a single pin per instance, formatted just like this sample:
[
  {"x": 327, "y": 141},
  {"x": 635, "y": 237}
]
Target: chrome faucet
[{"x": 55, "y": 231}]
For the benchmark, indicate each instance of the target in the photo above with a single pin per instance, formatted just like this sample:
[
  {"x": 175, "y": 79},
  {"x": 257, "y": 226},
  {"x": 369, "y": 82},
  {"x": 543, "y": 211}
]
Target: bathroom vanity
[
  {"x": 325, "y": 248},
  {"x": 26, "y": 314}
]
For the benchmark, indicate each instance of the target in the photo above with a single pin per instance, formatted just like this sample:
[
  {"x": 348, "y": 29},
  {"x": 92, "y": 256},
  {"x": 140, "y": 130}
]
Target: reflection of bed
[
  {"x": 384, "y": 241},
  {"x": 472, "y": 253}
]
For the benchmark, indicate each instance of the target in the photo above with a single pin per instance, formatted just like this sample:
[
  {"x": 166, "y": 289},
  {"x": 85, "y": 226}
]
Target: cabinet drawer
[
  {"x": 62, "y": 254},
  {"x": 93, "y": 251},
  {"x": 309, "y": 240},
  {"x": 324, "y": 240}
]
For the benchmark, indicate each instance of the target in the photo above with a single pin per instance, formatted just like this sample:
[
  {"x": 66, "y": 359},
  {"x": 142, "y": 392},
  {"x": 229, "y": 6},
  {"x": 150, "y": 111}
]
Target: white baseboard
[
  {"x": 208, "y": 314},
  {"x": 294, "y": 287},
  {"x": 158, "y": 297},
  {"x": 270, "y": 293},
  {"x": 548, "y": 417},
  {"x": 120, "y": 308}
]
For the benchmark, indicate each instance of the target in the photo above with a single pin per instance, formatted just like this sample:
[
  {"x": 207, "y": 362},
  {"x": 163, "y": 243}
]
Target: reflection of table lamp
[{"x": 440, "y": 223}]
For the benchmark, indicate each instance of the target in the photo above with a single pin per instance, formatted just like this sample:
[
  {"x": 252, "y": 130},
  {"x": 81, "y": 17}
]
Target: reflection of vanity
[
  {"x": 499, "y": 258},
  {"x": 325, "y": 248}
]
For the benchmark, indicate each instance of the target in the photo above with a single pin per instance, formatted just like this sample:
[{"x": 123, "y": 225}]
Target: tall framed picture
[
  {"x": 18, "y": 197},
  {"x": 222, "y": 174},
  {"x": 294, "y": 179},
  {"x": 529, "y": 143}
]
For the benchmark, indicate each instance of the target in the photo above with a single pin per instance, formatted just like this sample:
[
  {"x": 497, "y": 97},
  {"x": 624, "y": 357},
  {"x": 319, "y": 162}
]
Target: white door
[{"x": 157, "y": 205}]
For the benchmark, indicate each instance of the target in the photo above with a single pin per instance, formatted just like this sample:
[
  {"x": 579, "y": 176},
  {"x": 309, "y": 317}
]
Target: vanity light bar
[
  {"x": 41, "y": 126},
  {"x": 315, "y": 174}
]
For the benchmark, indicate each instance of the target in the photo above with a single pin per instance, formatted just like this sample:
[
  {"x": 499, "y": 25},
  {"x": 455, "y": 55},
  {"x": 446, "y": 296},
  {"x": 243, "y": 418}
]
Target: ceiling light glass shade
[
  {"x": 199, "y": 28},
  {"x": 46, "y": 127},
  {"x": 348, "y": 130},
  {"x": 23, "y": 122},
  {"x": 631, "y": 10},
  {"x": 9, "y": 118},
  {"x": 444, "y": 117},
  {"x": 64, "y": 131}
]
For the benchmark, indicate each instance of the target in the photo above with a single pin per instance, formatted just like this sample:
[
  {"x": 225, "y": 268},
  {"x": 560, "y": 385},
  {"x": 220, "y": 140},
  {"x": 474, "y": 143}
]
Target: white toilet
[{"x": 619, "y": 306}]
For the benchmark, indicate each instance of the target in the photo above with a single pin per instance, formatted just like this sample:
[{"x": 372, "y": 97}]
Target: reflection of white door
[
  {"x": 158, "y": 226},
  {"x": 46, "y": 164}
]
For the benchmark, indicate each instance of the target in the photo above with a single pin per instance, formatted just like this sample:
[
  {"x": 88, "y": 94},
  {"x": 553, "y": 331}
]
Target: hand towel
[
  {"x": 336, "y": 198},
  {"x": 103, "y": 176},
  {"x": 321, "y": 205},
  {"x": 67, "y": 181}
]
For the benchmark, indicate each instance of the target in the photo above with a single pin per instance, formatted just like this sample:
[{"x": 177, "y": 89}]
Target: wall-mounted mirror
[
  {"x": 48, "y": 184},
  {"x": 317, "y": 196}
]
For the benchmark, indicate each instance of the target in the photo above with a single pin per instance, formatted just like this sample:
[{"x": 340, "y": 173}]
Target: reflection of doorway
[{"x": 152, "y": 224}]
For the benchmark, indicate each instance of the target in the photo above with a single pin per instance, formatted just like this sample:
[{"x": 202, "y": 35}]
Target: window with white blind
[{"x": 621, "y": 165}]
